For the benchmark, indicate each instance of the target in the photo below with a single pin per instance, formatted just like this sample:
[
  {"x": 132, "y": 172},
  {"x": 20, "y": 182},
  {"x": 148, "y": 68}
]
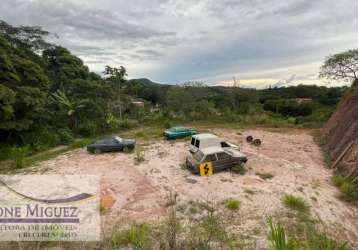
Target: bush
[
  {"x": 338, "y": 180},
  {"x": 265, "y": 176},
  {"x": 80, "y": 143},
  {"x": 112, "y": 122},
  {"x": 347, "y": 187},
  {"x": 66, "y": 136},
  {"x": 136, "y": 236},
  {"x": 239, "y": 169},
  {"x": 126, "y": 124},
  {"x": 279, "y": 239},
  {"x": 18, "y": 154},
  {"x": 139, "y": 154},
  {"x": 87, "y": 128},
  {"x": 232, "y": 204},
  {"x": 295, "y": 203}
]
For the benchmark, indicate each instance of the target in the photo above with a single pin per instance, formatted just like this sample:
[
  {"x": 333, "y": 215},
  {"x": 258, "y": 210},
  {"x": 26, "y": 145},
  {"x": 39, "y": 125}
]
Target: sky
[{"x": 259, "y": 42}]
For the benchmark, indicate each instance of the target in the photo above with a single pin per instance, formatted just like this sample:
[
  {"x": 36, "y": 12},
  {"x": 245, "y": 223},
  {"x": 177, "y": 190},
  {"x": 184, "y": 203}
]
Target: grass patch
[
  {"x": 295, "y": 203},
  {"x": 232, "y": 204},
  {"x": 239, "y": 169},
  {"x": 80, "y": 143},
  {"x": 18, "y": 154},
  {"x": 264, "y": 176},
  {"x": 282, "y": 238},
  {"x": 136, "y": 236},
  {"x": 249, "y": 191},
  {"x": 346, "y": 186},
  {"x": 139, "y": 154}
]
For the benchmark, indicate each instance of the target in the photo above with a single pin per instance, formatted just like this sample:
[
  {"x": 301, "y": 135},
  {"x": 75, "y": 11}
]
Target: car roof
[
  {"x": 204, "y": 136},
  {"x": 212, "y": 150}
]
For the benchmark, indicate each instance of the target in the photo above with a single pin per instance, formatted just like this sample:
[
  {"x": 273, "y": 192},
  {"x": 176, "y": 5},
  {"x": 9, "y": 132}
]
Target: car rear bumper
[{"x": 191, "y": 167}]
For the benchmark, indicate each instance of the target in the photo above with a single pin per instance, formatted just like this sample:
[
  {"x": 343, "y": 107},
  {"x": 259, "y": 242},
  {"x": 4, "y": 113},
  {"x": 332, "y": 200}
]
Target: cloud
[{"x": 209, "y": 40}]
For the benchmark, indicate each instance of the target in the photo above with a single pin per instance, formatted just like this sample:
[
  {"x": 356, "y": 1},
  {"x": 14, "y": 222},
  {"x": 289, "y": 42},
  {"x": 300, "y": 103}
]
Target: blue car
[{"x": 179, "y": 132}]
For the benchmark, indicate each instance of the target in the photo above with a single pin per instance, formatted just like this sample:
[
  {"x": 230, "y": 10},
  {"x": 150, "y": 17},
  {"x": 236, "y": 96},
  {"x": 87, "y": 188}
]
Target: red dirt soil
[{"x": 341, "y": 130}]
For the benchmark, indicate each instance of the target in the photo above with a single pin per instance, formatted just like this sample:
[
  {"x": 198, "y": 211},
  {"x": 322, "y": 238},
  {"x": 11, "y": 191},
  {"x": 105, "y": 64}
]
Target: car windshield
[
  {"x": 198, "y": 156},
  {"x": 176, "y": 129},
  {"x": 117, "y": 138}
]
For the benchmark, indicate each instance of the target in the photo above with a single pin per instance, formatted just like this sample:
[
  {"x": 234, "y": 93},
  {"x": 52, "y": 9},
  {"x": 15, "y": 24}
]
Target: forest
[{"x": 49, "y": 97}]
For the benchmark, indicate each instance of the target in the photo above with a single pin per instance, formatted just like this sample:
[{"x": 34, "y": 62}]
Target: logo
[
  {"x": 49, "y": 207},
  {"x": 206, "y": 169}
]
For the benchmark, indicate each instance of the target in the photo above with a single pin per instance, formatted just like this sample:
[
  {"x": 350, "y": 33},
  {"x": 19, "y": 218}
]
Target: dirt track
[{"x": 138, "y": 192}]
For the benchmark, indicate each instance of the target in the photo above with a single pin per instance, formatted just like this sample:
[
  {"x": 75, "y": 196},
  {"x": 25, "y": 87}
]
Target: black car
[{"x": 111, "y": 144}]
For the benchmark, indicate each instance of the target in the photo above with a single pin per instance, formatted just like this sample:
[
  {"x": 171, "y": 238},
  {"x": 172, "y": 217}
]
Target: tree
[
  {"x": 24, "y": 87},
  {"x": 116, "y": 76},
  {"x": 28, "y": 37},
  {"x": 342, "y": 66},
  {"x": 72, "y": 106}
]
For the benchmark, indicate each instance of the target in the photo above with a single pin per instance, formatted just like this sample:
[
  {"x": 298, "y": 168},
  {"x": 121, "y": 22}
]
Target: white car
[{"x": 201, "y": 141}]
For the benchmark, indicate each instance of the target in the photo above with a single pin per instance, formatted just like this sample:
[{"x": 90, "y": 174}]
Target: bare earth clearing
[{"x": 138, "y": 192}]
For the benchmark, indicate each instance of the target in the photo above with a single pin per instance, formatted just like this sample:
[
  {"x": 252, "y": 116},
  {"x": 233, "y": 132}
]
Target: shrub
[
  {"x": 18, "y": 154},
  {"x": 80, "y": 143},
  {"x": 239, "y": 169},
  {"x": 65, "y": 135},
  {"x": 265, "y": 176},
  {"x": 232, "y": 204},
  {"x": 136, "y": 236},
  {"x": 139, "y": 154},
  {"x": 139, "y": 134},
  {"x": 112, "y": 122},
  {"x": 126, "y": 124},
  {"x": 338, "y": 180},
  {"x": 347, "y": 187},
  {"x": 87, "y": 128},
  {"x": 294, "y": 202},
  {"x": 279, "y": 239}
]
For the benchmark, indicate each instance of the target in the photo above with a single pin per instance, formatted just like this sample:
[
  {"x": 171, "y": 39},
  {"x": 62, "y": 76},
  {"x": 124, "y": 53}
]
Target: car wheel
[
  {"x": 97, "y": 151},
  {"x": 249, "y": 138},
  {"x": 127, "y": 149},
  {"x": 257, "y": 142}
]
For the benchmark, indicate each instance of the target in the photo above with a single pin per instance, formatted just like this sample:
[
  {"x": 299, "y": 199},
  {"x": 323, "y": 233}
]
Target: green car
[{"x": 179, "y": 132}]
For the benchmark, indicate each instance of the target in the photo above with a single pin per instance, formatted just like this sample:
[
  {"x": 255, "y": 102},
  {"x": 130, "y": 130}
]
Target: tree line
[{"x": 48, "y": 96}]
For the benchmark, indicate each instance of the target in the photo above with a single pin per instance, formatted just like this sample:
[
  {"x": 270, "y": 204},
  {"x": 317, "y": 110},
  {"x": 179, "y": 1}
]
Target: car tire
[
  {"x": 97, "y": 151},
  {"x": 127, "y": 149},
  {"x": 257, "y": 142},
  {"x": 249, "y": 138}
]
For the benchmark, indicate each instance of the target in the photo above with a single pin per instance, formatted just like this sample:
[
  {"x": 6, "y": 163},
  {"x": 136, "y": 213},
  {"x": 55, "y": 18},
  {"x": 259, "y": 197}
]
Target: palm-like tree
[{"x": 72, "y": 106}]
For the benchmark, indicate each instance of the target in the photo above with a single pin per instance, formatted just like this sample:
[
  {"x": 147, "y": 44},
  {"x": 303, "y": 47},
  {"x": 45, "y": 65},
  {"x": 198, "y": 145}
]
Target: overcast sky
[{"x": 260, "y": 42}]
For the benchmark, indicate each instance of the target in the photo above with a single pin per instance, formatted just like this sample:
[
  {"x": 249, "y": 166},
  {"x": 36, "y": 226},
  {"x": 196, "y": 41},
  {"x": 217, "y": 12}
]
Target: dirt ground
[{"x": 138, "y": 192}]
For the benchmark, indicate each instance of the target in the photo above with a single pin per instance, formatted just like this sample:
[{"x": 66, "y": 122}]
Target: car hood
[
  {"x": 236, "y": 153},
  {"x": 128, "y": 141}
]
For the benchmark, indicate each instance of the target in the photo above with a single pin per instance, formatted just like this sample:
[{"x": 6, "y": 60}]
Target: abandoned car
[
  {"x": 220, "y": 158},
  {"x": 179, "y": 132},
  {"x": 111, "y": 144},
  {"x": 200, "y": 141}
]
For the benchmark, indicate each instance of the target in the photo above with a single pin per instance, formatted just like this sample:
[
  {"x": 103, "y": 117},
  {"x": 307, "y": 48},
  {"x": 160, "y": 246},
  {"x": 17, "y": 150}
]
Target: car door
[
  {"x": 211, "y": 158},
  {"x": 116, "y": 145},
  {"x": 224, "y": 160}
]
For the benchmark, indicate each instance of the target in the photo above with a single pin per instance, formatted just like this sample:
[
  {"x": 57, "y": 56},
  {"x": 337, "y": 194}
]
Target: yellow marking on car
[{"x": 206, "y": 169}]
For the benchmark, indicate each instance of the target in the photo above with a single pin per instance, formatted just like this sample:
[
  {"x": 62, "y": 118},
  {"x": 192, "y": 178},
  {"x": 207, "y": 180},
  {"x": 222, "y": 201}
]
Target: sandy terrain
[{"x": 138, "y": 192}]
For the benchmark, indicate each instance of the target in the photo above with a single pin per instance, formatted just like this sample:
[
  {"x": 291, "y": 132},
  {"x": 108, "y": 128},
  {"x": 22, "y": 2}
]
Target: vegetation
[
  {"x": 139, "y": 154},
  {"x": 49, "y": 97},
  {"x": 347, "y": 187},
  {"x": 136, "y": 236},
  {"x": 294, "y": 202},
  {"x": 232, "y": 204},
  {"x": 264, "y": 176},
  {"x": 342, "y": 66},
  {"x": 239, "y": 169}
]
